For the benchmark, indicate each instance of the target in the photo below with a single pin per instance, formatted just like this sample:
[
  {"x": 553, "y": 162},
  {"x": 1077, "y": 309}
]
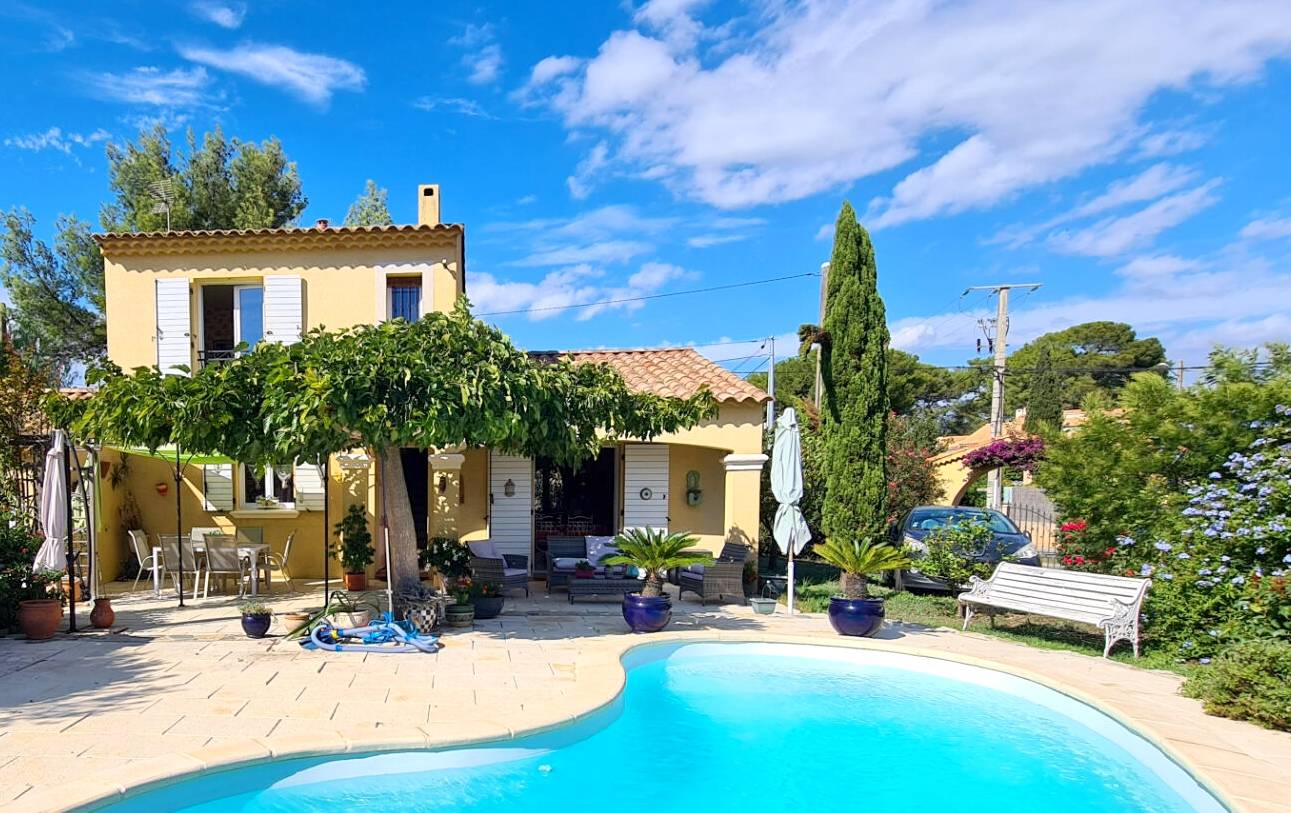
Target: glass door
[{"x": 248, "y": 315}]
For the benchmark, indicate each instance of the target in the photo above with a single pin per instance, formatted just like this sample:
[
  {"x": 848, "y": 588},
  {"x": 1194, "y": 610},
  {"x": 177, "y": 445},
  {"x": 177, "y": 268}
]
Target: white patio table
[{"x": 247, "y": 550}]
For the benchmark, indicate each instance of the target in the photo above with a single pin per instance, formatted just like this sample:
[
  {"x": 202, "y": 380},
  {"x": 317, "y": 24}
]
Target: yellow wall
[
  {"x": 341, "y": 286},
  {"x": 706, "y": 520}
]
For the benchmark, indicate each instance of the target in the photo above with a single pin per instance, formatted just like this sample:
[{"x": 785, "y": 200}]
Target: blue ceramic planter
[
  {"x": 856, "y": 616},
  {"x": 255, "y": 626},
  {"x": 646, "y": 614}
]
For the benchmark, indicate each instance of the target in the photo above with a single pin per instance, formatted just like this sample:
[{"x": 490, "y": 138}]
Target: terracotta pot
[
  {"x": 67, "y": 589},
  {"x": 356, "y": 581},
  {"x": 39, "y": 618},
  {"x": 294, "y": 621},
  {"x": 102, "y": 616}
]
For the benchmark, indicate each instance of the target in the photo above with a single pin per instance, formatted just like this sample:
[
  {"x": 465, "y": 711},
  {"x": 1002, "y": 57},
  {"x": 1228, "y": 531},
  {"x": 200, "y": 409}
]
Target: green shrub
[
  {"x": 948, "y": 553},
  {"x": 355, "y": 549},
  {"x": 446, "y": 555},
  {"x": 1250, "y": 680}
]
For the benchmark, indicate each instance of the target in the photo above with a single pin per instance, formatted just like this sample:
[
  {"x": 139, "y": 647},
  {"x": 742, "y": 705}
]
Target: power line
[{"x": 621, "y": 300}]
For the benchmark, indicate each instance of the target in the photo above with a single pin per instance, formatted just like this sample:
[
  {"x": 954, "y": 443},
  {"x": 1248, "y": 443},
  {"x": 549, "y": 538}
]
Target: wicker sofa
[
  {"x": 563, "y": 552},
  {"x": 724, "y": 579},
  {"x": 510, "y": 570}
]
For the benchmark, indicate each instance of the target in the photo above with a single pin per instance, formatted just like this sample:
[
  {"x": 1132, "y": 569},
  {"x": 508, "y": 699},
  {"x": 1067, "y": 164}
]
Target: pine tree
[
  {"x": 855, "y": 403},
  {"x": 369, "y": 208},
  {"x": 1044, "y": 397}
]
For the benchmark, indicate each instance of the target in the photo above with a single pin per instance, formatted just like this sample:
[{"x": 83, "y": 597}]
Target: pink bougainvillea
[{"x": 1019, "y": 453}]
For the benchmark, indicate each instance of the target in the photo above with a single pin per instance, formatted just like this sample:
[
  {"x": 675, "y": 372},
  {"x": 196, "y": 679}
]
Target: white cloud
[
  {"x": 710, "y": 240},
  {"x": 225, "y": 15},
  {"x": 580, "y": 183},
  {"x": 1114, "y": 236},
  {"x": 483, "y": 59},
  {"x": 527, "y": 200},
  {"x": 572, "y": 287},
  {"x": 826, "y": 231},
  {"x": 550, "y": 67},
  {"x": 1172, "y": 142},
  {"x": 1267, "y": 228},
  {"x": 824, "y": 92},
  {"x": 310, "y": 77},
  {"x": 55, "y": 139},
  {"x": 148, "y": 85},
  {"x": 461, "y": 106}
]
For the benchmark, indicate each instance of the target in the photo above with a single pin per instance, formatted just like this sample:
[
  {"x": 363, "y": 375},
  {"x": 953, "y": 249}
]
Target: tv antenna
[{"x": 163, "y": 192}]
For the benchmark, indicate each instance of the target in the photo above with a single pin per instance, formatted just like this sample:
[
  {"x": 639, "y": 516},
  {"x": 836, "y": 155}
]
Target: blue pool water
[{"x": 729, "y": 728}]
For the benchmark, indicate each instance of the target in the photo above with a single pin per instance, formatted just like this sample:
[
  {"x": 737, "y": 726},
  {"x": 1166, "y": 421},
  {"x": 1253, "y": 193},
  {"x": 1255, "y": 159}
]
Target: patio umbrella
[
  {"x": 790, "y": 528},
  {"x": 53, "y": 508}
]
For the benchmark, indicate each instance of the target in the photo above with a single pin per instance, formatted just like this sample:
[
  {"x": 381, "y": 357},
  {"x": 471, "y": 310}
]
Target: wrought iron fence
[{"x": 1041, "y": 522}]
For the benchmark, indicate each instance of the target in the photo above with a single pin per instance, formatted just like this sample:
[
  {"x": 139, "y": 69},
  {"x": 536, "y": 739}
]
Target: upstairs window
[
  {"x": 274, "y": 483},
  {"x": 403, "y": 298},
  {"x": 231, "y": 315}
]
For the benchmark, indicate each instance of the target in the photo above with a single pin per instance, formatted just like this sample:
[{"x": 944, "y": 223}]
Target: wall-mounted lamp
[
  {"x": 443, "y": 483},
  {"x": 509, "y": 488},
  {"x": 694, "y": 495},
  {"x": 162, "y": 488}
]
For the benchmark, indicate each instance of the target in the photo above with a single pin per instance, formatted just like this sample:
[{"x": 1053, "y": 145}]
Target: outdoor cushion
[
  {"x": 514, "y": 571},
  {"x": 565, "y": 562},
  {"x": 598, "y": 547},
  {"x": 484, "y": 548},
  {"x": 699, "y": 569}
]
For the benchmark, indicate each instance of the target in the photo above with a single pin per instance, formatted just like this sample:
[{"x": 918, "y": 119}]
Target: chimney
[{"x": 428, "y": 204}]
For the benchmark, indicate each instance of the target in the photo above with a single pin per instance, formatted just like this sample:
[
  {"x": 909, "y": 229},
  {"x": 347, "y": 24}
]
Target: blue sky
[{"x": 1130, "y": 157}]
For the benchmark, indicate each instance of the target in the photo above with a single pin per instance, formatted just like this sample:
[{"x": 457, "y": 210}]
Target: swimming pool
[{"x": 738, "y": 727}]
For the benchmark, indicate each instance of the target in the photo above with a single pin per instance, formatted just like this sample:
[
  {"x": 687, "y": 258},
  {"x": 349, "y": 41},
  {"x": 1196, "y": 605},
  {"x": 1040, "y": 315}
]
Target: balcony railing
[{"x": 205, "y": 357}]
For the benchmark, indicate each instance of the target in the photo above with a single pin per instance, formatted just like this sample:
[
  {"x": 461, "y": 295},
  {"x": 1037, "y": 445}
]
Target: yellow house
[{"x": 187, "y": 299}]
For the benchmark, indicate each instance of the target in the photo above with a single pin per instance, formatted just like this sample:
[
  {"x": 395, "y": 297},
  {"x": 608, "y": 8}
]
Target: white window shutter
[
  {"x": 645, "y": 486},
  {"x": 511, "y": 518},
  {"x": 217, "y": 487},
  {"x": 283, "y": 309},
  {"x": 174, "y": 324},
  {"x": 308, "y": 484}
]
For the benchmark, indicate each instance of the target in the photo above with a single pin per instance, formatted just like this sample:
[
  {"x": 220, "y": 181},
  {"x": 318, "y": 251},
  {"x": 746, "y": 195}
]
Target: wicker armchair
[
  {"x": 724, "y": 578},
  {"x": 563, "y": 547},
  {"x": 510, "y": 570}
]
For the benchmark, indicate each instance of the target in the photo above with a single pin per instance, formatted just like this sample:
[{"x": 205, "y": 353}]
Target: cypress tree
[
  {"x": 1044, "y": 398},
  {"x": 855, "y": 398}
]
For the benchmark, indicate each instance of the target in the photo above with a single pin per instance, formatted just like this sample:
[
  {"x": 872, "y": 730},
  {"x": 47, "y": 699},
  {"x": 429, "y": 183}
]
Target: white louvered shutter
[
  {"x": 174, "y": 324},
  {"x": 308, "y": 484},
  {"x": 283, "y": 309},
  {"x": 511, "y": 518},
  {"x": 645, "y": 486},
  {"x": 217, "y": 487}
]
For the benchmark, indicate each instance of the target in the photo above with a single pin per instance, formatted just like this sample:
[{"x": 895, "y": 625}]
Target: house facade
[{"x": 182, "y": 300}]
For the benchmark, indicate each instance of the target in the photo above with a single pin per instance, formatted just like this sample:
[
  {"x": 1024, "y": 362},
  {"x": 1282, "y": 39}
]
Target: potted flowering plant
[
  {"x": 487, "y": 599},
  {"x": 461, "y": 613},
  {"x": 583, "y": 569},
  {"x": 255, "y": 618}
]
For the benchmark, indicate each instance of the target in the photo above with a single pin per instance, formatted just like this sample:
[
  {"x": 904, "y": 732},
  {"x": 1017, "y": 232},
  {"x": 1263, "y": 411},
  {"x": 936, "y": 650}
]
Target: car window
[{"x": 928, "y": 519}]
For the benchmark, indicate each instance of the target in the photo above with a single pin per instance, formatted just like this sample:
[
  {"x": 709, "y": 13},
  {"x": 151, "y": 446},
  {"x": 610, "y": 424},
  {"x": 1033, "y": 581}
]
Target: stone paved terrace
[{"x": 173, "y": 691}]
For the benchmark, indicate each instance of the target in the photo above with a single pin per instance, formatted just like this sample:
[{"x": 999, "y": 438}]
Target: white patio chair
[
  {"x": 170, "y": 560},
  {"x": 283, "y": 560},
  {"x": 142, "y": 553},
  {"x": 222, "y": 559}
]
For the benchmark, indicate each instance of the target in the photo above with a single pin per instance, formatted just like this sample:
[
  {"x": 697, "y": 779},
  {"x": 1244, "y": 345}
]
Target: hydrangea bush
[{"x": 1220, "y": 572}]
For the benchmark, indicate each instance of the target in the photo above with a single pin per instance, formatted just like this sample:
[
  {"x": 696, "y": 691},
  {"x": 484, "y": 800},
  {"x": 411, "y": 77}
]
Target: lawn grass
[{"x": 940, "y": 610}]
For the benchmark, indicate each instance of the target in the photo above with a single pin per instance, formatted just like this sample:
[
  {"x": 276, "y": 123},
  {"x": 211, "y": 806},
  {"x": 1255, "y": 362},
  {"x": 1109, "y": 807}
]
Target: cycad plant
[
  {"x": 655, "y": 552},
  {"x": 858, "y": 559}
]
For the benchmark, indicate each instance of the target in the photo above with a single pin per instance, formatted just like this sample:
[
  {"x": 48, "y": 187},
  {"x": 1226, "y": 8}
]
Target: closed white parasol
[
  {"x": 790, "y": 529},
  {"x": 53, "y": 508}
]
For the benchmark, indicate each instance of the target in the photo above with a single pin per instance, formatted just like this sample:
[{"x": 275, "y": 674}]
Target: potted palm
[
  {"x": 854, "y": 612},
  {"x": 355, "y": 549},
  {"x": 654, "y": 553}
]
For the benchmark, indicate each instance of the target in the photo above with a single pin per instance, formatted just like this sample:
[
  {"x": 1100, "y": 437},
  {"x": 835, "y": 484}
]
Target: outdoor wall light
[
  {"x": 509, "y": 488},
  {"x": 443, "y": 483},
  {"x": 694, "y": 495},
  {"x": 162, "y": 488}
]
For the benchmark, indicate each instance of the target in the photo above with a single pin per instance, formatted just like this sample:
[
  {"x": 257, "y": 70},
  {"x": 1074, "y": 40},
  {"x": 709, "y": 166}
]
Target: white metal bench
[{"x": 1109, "y": 602}]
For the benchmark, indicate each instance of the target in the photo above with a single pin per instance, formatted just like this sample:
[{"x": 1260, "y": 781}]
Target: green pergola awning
[{"x": 168, "y": 455}]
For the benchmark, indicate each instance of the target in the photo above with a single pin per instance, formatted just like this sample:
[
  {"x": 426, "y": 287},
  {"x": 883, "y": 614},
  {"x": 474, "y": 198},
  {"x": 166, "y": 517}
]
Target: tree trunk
[
  {"x": 403, "y": 569},
  {"x": 653, "y": 586},
  {"x": 855, "y": 585}
]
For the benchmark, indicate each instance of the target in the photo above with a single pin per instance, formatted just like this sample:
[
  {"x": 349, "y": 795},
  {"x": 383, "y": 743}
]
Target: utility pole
[
  {"x": 771, "y": 388},
  {"x": 994, "y": 480},
  {"x": 1181, "y": 374},
  {"x": 820, "y": 325}
]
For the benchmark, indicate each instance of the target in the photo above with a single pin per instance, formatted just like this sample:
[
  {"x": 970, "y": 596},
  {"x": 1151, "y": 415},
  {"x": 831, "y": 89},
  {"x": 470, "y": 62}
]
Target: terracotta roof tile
[
  {"x": 676, "y": 372},
  {"x": 287, "y": 231}
]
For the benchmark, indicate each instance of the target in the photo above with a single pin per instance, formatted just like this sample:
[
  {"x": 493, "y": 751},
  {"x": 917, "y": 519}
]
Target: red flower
[
  {"x": 1080, "y": 560},
  {"x": 1066, "y": 560},
  {"x": 1109, "y": 551}
]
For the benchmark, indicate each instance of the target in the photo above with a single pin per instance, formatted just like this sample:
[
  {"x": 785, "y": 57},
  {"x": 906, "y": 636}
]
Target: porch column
[
  {"x": 445, "y": 493},
  {"x": 743, "y": 497}
]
